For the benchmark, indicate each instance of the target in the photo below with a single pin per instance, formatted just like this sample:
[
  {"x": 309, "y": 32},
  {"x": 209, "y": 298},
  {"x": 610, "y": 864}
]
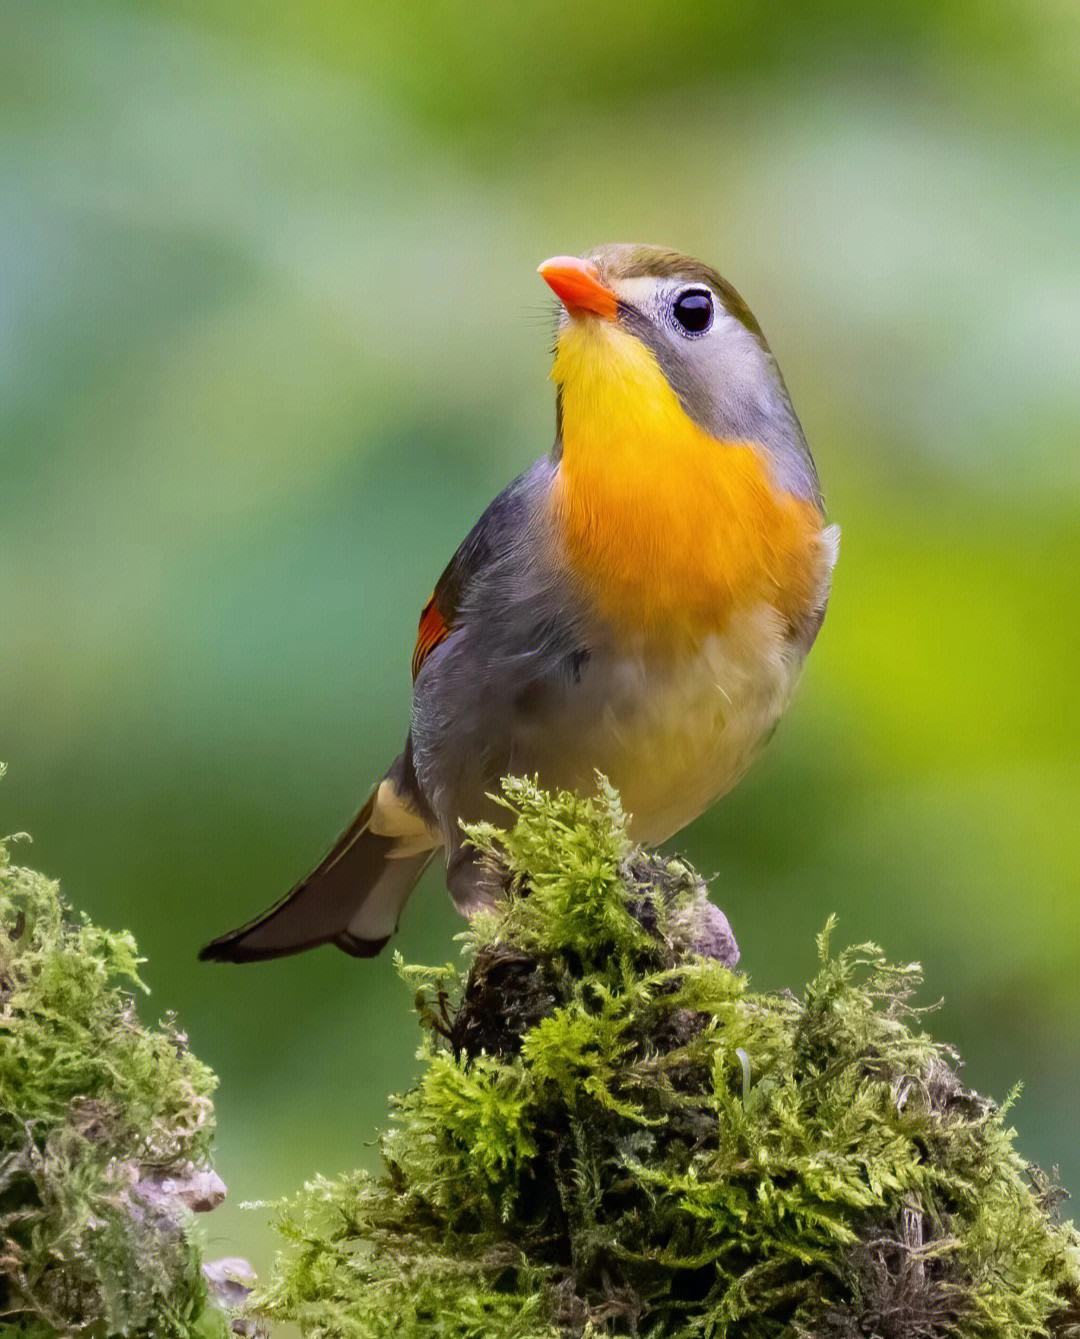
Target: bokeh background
[{"x": 272, "y": 338}]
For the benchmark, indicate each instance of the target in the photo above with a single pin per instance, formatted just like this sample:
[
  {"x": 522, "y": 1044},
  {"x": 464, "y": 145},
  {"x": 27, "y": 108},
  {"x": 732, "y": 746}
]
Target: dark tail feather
[{"x": 353, "y": 899}]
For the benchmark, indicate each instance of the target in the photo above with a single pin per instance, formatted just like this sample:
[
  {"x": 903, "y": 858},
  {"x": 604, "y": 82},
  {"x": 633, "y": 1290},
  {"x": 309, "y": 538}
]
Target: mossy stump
[
  {"x": 105, "y": 1132},
  {"x": 612, "y": 1134}
]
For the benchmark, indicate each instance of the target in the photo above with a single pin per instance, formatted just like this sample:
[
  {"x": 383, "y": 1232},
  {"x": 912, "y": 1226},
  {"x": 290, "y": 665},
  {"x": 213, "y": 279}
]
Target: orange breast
[{"x": 663, "y": 525}]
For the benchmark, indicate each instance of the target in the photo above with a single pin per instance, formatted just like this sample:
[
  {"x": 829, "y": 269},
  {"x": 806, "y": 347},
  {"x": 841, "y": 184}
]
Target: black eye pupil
[{"x": 694, "y": 311}]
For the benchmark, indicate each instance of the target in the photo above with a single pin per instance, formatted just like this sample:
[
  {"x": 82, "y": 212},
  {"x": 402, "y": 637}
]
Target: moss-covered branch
[
  {"x": 611, "y": 1134},
  {"x": 583, "y": 1155},
  {"x": 105, "y": 1129}
]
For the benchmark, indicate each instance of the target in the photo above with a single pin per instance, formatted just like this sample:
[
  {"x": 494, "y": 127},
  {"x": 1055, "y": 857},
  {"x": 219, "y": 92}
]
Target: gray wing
[{"x": 510, "y": 640}]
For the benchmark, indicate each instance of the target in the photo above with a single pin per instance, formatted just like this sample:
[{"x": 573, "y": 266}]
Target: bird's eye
[{"x": 693, "y": 310}]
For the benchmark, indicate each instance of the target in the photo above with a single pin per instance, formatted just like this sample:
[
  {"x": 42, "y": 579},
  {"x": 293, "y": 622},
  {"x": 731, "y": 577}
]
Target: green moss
[
  {"x": 580, "y": 1156},
  {"x": 105, "y": 1130}
]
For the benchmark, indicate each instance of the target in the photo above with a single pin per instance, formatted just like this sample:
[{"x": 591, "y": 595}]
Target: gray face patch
[{"x": 725, "y": 376}]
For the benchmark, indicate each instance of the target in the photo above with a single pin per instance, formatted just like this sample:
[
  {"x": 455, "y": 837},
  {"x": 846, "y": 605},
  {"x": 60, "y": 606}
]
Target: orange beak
[{"x": 578, "y": 286}]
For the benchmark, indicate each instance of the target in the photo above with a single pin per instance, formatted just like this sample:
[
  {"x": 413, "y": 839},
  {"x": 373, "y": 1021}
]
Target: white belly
[{"x": 673, "y": 733}]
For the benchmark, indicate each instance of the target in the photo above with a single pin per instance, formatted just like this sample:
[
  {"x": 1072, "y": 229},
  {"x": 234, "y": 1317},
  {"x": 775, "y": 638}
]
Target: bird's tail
[{"x": 352, "y": 899}]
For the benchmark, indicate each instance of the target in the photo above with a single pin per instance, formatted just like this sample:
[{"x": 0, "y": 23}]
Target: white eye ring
[{"x": 692, "y": 311}]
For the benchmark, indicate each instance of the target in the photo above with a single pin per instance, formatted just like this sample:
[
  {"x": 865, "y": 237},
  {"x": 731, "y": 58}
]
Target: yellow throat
[{"x": 664, "y": 526}]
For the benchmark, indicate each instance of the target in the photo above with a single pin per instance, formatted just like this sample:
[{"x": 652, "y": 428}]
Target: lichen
[
  {"x": 581, "y": 1154},
  {"x": 105, "y": 1129}
]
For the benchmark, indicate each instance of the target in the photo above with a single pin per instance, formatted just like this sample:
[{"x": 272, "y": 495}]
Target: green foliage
[
  {"x": 105, "y": 1130},
  {"x": 581, "y": 1155}
]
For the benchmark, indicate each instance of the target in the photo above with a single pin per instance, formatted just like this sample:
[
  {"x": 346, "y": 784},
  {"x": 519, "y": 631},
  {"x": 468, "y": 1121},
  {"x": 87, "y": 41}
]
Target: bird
[{"x": 638, "y": 603}]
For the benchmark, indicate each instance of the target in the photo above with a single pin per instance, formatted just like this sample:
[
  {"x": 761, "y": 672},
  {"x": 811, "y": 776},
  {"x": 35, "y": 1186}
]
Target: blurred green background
[{"x": 272, "y": 338}]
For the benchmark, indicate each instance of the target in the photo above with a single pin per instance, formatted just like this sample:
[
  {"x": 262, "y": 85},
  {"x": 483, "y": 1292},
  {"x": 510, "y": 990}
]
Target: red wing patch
[{"x": 433, "y": 628}]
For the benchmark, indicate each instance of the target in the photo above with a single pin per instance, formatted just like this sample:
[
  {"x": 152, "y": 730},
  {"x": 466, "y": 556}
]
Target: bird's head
[{"x": 645, "y": 335}]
